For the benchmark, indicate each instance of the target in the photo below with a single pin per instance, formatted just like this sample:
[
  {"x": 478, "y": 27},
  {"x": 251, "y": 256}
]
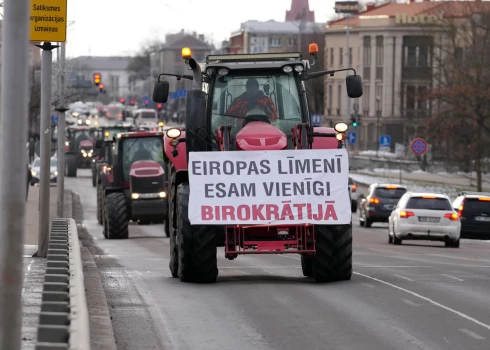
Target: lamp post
[{"x": 378, "y": 115}]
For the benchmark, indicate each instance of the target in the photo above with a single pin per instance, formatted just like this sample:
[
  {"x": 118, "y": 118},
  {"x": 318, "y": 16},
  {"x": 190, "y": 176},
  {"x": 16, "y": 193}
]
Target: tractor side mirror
[
  {"x": 160, "y": 91},
  {"x": 354, "y": 86},
  {"x": 99, "y": 144}
]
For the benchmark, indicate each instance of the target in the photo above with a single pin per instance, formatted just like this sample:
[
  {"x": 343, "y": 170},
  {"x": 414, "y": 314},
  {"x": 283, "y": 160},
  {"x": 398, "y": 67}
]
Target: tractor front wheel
[
  {"x": 117, "y": 218},
  {"x": 333, "y": 260},
  {"x": 196, "y": 245},
  {"x": 71, "y": 166},
  {"x": 99, "y": 204}
]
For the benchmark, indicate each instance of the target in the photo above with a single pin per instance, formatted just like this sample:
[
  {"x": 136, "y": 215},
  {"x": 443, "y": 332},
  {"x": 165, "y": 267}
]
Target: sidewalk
[{"x": 34, "y": 267}]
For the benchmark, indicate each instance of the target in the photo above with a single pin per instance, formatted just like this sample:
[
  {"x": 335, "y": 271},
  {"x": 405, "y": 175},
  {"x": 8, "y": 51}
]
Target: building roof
[
  {"x": 451, "y": 9},
  {"x": 297, "y": 7},
  {"x": 188, "y": 41},
  {"x": 273, "y": 27},
  {"x": 101, "y": 62}
]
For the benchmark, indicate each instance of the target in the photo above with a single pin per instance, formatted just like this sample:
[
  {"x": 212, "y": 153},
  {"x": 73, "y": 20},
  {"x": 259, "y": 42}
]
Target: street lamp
[{"x": 378, "y": 115}]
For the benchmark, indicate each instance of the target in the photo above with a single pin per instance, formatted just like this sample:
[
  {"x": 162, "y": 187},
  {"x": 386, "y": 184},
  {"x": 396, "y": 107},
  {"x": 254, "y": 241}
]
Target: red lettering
[
  {"x": 330, "y": 212},
  {"x": 287, "y": 212},
  {"x": 206, "y": 213},
  {"x": 218, "y": 213},
  {"x": 318, "y": 216},
  {"x": 272, "y": 209},
  {"x": 308, "y": 209},
  {"x": 243, "y": 212},
  {"x": 300, "y": 207},
  {"x": 257, "y": 212},
  {"x": 228, "y": 211}
]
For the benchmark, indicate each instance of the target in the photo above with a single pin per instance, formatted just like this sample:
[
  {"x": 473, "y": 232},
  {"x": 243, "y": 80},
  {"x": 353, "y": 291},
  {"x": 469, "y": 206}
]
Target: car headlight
[
  {"x": 55, "y": 173},
  {"x": 33, "y": 173}
]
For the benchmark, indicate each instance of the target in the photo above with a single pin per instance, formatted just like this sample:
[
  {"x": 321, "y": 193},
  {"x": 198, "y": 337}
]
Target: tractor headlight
[
  {"x": 33, "y": 173},
  {"x": 135, "y": 195},
  {"x": 163, "y": 195},
  {"x": 67, "y": 143},
  {"x": 341, "y": 127},
  {"x": 79, "y": 121}
]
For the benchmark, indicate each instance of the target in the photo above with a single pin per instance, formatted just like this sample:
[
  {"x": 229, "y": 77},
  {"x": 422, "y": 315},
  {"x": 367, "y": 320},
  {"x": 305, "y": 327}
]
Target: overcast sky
[{"x": 120, "y": 27}]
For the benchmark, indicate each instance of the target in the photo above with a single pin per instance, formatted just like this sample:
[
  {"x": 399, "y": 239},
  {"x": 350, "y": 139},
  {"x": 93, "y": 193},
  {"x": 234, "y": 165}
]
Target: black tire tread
[
  {"x": 71, "y": 166},
  {"x": 117, "y": 216},
  {"x": 99, "y": 205}
]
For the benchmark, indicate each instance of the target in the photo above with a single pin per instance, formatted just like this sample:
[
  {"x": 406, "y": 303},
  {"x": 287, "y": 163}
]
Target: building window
[
  {"x": 339, "y": 99},
  {"x": 366, "y": 57},
  {"x": 458, "y": 55},
  {"x": 366, "y": 96},
  {"x": 410, "y": 94},
  {"x": 275, "y": 42},
  {"x": 341, "y": 56},
  {"x": 379, "y": 96},
  {"x": 330, "y": 99},
  {"x": 379, "y": 57},
  {"x": 350, "y": 57},
  {"x": 422, "y": 98},
  {"x": 423, "y": 59},
  {"x": 331, "y": 56},
  {"x": 292, "y": 42}
]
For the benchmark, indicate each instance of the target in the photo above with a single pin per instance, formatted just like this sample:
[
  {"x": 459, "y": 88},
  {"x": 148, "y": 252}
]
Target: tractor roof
[
  {"x": 82, "y": 128},
  {"x": 254, "y": 61},
  {"x": 139, "y": 134}
]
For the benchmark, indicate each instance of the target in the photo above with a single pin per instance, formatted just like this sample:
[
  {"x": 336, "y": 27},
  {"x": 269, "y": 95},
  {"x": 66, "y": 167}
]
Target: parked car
[
  {"x": 424, "y": 216},
  {"x": 379, "y": 203},
  {"x": 36, "y": 169},
  {"x": 474, "y": 211},
  {"x": 354, "y": 195}
]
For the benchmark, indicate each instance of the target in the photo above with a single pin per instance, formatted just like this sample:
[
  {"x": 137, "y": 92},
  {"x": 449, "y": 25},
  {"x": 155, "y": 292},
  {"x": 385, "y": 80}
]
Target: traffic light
[
  {"x": 122, "y": 100},
  {"x": 97, "y": 78},
  {"x": 353, "y": 121},
  {"x": 131, "y": 103},
  {"x": 159, "y": 107},
  {"x": 146, "y": 102}
]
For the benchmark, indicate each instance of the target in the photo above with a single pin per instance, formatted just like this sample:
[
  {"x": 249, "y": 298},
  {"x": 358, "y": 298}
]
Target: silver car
[{"x": 36, "y": 169}]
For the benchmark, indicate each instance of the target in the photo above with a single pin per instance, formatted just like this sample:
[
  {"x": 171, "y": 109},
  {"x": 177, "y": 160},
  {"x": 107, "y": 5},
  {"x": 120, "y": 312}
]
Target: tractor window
[
  {"x": 143, "y": 148},
  {"x": 78, "y": 136},
  {"x": 275, "y": 95}
]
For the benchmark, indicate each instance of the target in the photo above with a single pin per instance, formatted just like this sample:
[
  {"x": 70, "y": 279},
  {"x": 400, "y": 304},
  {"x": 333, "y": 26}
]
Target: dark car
[
  {"x": 380, "y": 201},
  {"x": 474, "y": 211}
]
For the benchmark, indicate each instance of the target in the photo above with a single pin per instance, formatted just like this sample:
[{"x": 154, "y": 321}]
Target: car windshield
[
  {"x": 429, "y": 203},
  {"x": 474, "y": 205},
  {"x": 142, "y": 148},
  {"x": 54, "y": 163},
  {"x": 275, "y": 96},
  {"x": 37, "y": 163},
  {"x": 391, "y": 193},
  {"x": 148, "y": 115},
  {"x": 351, "y": 182}
]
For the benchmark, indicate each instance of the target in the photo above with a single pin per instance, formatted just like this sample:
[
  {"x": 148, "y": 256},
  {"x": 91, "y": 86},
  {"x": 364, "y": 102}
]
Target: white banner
[{"x": 269, "y": 187}]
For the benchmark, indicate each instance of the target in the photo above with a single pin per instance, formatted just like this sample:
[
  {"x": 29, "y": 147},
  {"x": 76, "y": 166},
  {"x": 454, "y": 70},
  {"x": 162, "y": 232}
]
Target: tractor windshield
[
  {"x": 142, "y": 148},
  {"x": 276, "y": 95},
  {"x": 78, "y": 136}
]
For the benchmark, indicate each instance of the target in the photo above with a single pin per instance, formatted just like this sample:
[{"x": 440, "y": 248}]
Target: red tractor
[
  {"x": 212, "y": 125},
  {"x": 132, "y": 187}
]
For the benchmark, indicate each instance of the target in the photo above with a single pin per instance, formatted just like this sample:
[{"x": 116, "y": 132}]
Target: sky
[{"x": 121, "y": 27}]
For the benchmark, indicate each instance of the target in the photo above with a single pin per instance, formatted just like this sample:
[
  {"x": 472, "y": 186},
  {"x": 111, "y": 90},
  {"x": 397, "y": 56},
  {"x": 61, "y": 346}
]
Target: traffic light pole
[
  {"x": 44, "y": 178},
  {"x": 13, "y": 167},
  {"x": 61, "y": 133}
]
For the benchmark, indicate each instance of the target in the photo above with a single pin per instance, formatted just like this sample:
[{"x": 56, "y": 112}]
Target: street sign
[
  {"x": 316, "y": 120},
  {"x": 419, "y": 146},
  {"x": 385, "y": 141},
  {"x": 47, "y": 20},
  {"x": 351, "y": 136}
]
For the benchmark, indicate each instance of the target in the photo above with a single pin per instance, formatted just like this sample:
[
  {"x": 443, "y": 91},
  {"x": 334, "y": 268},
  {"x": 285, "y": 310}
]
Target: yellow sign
[
  {"x": 48, "y": 20},
  {"x": 403, "y": 18}
]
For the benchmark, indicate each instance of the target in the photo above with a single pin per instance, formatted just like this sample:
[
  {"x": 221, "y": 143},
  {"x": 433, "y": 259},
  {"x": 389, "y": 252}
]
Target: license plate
[
  {"x": 389, "y": 206},
  {"x": 482, "y": 218},
  {"x": 428, "y": 219}
]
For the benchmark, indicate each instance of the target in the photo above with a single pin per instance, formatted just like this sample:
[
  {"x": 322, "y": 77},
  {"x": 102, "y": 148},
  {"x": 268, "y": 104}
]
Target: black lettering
[
  {"x": 265, "y": 167},
  {"x": 240, "y": 166},
  {"x": 299, "y": 189},
  {"x": 328, "y": 188},
  {"x": 230, "y": 169},
  {"x": 248, "y": 191},
  {"x": 214, "y": 166},
  {"x": 207, "y": 190},
  {"x": 268, "y": 190},
  {"x": 253, "y": 169},
  {"x": 302, "y": 166},
  {"x": 318, "y": 189},
  {"x": 195, "y": 167},
  {"x": 278, "y": 189},
  {"x": 317, "y": 165},
  {"x": 286, "y": 189},
  {"x": 339, "y": 168},
  {"x": 220, "y": 188},
  {"x": 328, "y": 166},
  {"x": 233, "y": 190},
  {"x": 280, "y": 168}
]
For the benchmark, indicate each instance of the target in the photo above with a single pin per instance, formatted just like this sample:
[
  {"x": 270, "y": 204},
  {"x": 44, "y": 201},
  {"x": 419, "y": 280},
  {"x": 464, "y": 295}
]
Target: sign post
[
  {"x": 385, "y": 142},
  {"x": 13, "y": 167},
  {"x": 47, "y": 25}
]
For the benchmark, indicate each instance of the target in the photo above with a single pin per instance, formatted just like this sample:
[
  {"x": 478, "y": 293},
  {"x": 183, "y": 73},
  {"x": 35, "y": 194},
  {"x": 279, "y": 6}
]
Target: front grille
[{"x": 147, "y": 184}]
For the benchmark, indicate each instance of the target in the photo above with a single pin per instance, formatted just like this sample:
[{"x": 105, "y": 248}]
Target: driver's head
[{"x": 252, "y": 87}]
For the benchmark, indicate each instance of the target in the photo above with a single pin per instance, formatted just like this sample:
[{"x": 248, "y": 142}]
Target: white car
[
  {"x": 36, "y": 170},
  {"x": 354, "y": 195},
  {"x": 424, "y": 216}
]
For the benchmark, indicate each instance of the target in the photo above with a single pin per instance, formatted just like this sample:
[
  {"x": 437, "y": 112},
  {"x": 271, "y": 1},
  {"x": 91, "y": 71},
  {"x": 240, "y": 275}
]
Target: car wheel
[{"x": 390, "y": 237}]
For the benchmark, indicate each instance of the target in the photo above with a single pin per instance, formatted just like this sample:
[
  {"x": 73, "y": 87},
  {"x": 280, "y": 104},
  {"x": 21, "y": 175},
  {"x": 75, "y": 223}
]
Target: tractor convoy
[{"x": 287, "y": 193}]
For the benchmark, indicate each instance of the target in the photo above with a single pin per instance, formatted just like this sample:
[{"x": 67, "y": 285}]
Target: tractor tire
[
  {"x": 71, "y": 167},
  {"x": 94, "y": 178},
  {"x": 174, "y": 250},
  {"x": 307, "y": 265},
  {"x": 197, "y": 245},
  {"x": 117, "y": 216},
  {"x": 333, "y": 260},
  {"x": 99, "y": 205}
]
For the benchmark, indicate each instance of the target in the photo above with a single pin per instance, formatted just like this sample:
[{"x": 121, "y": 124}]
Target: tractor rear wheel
[
  {"x": 333, "y": 260},
  {"x": 71, "y": 166},
  {"x": 94, "y": 179},
  {"x": 99, "y": 204},
  {"x": 196, "y": 245},
  {"x": 172, "y": 231},
  {"x": 307, "y": 265},
  {"x": 117, "y": 216}
]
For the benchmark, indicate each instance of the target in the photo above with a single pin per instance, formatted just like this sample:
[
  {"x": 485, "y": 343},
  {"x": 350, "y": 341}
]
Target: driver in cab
[
  {"x": 142, "y": 154},
  {"x": 253, "y": 98}
]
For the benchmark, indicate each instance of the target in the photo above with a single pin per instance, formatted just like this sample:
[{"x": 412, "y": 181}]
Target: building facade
[{"x": 391, "y": 48}]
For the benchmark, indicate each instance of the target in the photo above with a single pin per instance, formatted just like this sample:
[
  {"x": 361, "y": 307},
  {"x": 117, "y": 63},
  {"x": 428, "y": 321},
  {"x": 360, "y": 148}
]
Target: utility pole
[
  {"x": 348, "y": 63},
  {"x": 61, "y": 133},
  {"x": 44, "y": 178},
  {"x": 13, "y": 167},
  {"x": 301, "y": 27}
]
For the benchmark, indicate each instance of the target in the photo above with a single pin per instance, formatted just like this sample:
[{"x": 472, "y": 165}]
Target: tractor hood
[
  {"x": 145, "y": 168},
  {"x": 257, "y": 136},
  {"x": 86, "y": 143}
]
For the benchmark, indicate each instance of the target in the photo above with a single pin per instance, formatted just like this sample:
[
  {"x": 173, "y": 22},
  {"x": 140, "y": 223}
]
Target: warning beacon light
[
  {"x": 101, "y": 87},
  {"x": 159, "y": 106},
  {"x": 186, "y": 53},
  {"x": 122, "y": 100},
  {"x": 131, "y": 102},
  {"x": 97, "y": 79},
  {"x": 313, "y": 49}
]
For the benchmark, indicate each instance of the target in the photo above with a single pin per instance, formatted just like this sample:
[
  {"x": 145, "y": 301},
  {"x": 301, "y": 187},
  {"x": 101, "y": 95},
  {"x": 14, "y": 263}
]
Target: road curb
[{"x": 63, "y": 321}]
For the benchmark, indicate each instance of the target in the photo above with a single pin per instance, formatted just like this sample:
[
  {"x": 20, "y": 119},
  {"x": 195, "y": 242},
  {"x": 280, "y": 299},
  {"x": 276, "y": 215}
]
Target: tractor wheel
[
  {"x": 117, "y": 216},
  {"x": 307, "y": 265},
  {"x": 196, "y": 244},
  {"x": 174, "y": 251},
  {"x": 94, "y": 179},
  {"x": 99, "y": 204},
  {"x": 71, "y": 167},
  {"x": 333, "y": 260}
]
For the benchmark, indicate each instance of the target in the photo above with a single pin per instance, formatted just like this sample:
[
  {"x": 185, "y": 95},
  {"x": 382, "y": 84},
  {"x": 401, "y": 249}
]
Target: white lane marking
[
  {"x": 409, "y": 302},
  {"x": 471, "y": 334},
  {"x": 261, "y": 267},
  {"x": 391, "y": 266},
  {"x": 457, "y": 257},
  {"x": 455, "y": 278},
  {"x": 405, "y": 278},
  {"x": 456, "y": 312}
]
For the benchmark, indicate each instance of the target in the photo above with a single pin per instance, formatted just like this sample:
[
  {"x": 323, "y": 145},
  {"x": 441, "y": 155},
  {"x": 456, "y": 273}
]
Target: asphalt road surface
[{"x": 414, "y": 296}]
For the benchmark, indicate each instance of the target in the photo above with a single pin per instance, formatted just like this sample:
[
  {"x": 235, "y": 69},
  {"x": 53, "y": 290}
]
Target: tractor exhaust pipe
[{"x": 196, "y": 73}]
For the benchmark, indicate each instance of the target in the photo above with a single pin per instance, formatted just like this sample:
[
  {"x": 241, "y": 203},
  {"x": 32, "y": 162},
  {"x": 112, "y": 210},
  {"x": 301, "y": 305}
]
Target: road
[{"x": 413, "y": 296}]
